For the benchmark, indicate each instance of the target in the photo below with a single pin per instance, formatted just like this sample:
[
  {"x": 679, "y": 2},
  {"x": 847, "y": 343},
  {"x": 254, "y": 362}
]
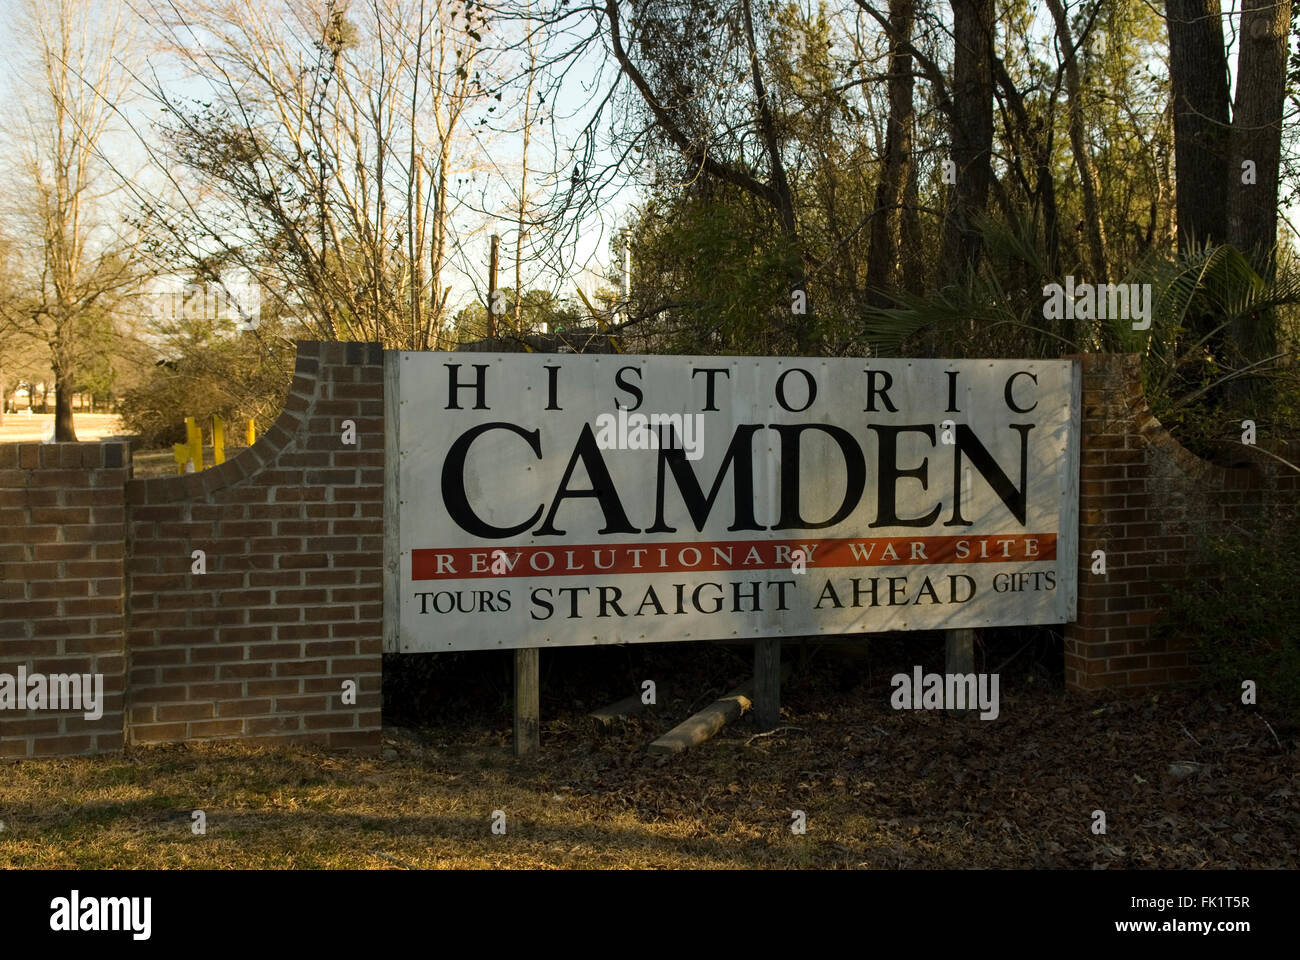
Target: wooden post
[
  {"x": 959, "y": 654},
  {"x": 528, "y": 707},
  {"x": 767, "y": 682},
  {"x": 959, "y": 651},
  {"x": 251, "y": 438},
  {"x": 492, "y": 289}
]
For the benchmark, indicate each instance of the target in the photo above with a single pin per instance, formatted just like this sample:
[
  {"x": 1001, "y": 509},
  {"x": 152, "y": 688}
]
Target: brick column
[
  {"x": 61, "y": 523},
  {"x": 1144, "y": 500}
]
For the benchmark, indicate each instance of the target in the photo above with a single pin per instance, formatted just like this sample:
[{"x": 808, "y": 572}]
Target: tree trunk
[
  {"x": 1257, "y": 137},
  {"x": 438, "y": 246},
  {"x": 887, "y": 224},
  {"x": 63, "y": 388},
  {"x": 972, "y": 131},
  {"x": 522, "y": 224},
  {"x": 1094, "y": 228},
  {"x": 1198, "y": 74},
  {"x": 911, "y": 253},
  {"x": 1257, "y": 128},
  {"x": 783, "y": 196}
]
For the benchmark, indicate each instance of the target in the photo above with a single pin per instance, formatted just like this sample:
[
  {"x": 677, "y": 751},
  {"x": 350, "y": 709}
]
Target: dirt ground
[
  {"x": 1185, "y": 780},
  {"x": 21, "y": 428}
]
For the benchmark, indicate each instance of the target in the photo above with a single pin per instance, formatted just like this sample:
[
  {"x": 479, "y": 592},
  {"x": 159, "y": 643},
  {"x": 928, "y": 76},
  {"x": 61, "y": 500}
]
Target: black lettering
[
  {"x": 709, "y": 374},
  {"x": 456, "y": 500},
  {"x": 739, "y": 456},
  {"x": 890, "y": 474},
  {"x": 586, "y": 451},
  {"x": 538, "y": 600},
  {"x": 983, "y": 461},
  {"x": 631, "y": 388},
  {"x": 1011, "y": 380},
  {"x": 479, "y": 386},
  {"x": 552, "y": 383},
  {"x": 828, "y": 591},
  {"x": 608, "y": 601},
  {"x": 573, "y": 599},
  {"x": 780, "y": 389},
  {"x": 855, "y": 472},
  {"x": 872, "y": 390}
]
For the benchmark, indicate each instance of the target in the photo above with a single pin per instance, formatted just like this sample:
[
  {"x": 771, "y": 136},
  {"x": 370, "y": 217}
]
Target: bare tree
[
  {"x": 74, "y": 264},
  {"x": 707, "y": 143},
  {"x": 323, "y": 163},
  {"x": 1068, "y": 46},
  {"x": 896, "y": 168}
]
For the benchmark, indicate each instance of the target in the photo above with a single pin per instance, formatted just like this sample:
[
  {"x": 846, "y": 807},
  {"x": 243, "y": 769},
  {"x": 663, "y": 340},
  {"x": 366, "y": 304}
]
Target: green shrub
[{"x": 1243, "y": 617}]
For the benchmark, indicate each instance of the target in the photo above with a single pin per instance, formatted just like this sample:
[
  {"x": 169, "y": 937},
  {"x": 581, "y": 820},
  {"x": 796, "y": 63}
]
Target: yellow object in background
[
  {"x": 182, "y": 453},
  {"x": 218, "y": 440},
  {"x": 195, "y": 437},
  {"x": 252, "y": 433}
]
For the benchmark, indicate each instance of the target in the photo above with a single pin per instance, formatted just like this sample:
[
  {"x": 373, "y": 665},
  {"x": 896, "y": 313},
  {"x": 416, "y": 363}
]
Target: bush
[
  {"x": 236, "y": 378},
  {"x": 1243, "y": 617}
]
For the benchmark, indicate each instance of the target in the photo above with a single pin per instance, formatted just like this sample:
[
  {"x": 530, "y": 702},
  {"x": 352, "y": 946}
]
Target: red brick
[{"x": 216, "y": 728}]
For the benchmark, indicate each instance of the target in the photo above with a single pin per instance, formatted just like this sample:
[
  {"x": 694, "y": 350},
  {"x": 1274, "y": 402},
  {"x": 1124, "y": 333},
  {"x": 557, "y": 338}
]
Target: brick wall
[
  {"x": 61, "y": 513},
  {"x": 258, "y": 647},
  {"x": 1145, "y": 500}
]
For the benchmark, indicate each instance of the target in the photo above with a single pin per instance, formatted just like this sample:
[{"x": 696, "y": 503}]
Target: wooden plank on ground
[
  {"x": 698, "y": 728},
  {"x": 605, "y": 717}
]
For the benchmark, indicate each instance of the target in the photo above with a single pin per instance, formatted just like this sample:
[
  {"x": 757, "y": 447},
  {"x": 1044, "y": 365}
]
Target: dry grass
[
  {"x": 880, "y": 788},
  {"x": 21, "y": 428},
  {"x": 302, "y": 810}
]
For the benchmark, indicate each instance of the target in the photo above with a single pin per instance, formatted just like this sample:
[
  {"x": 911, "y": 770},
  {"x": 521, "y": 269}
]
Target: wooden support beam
[
  {"x": 767, "y": 682},
  {"x": 959, "y": 652},
  {"x": 528, "y": 708}
]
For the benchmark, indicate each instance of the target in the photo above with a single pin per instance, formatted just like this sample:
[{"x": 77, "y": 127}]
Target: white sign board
[{"x": 547, "y": 500}]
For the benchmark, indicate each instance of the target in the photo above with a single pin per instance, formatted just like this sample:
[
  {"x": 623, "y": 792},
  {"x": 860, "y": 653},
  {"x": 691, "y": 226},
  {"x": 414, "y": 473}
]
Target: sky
[{"x": 467, "y": 273}]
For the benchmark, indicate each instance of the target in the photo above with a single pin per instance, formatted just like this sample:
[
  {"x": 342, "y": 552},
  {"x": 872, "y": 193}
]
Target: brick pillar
[
  {"x": 61, "y": 522},
  {"x": 1144, "y": 500}
]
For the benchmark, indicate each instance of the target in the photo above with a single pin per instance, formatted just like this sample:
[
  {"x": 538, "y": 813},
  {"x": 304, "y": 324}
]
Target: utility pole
[
  {"x": 493, "y": 307},
  {"x": 626, "y": 283}
]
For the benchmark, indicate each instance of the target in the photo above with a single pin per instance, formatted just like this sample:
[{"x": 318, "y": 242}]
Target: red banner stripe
[{"x": 459, "y": 563}]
